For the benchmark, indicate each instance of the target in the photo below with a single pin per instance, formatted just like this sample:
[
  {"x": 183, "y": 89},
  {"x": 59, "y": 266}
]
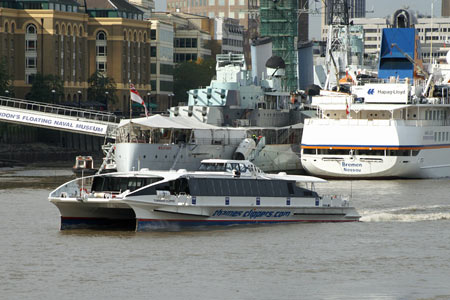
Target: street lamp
[
  {"x": 79, "y": 98},
  {"x": 106, "y": 100},
  {"x": 149, "y": 102},
  {"x": 53, "y": 93}
]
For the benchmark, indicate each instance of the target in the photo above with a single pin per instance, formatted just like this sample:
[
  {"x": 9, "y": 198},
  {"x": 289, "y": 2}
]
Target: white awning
[{"x": 159, "y": 121}]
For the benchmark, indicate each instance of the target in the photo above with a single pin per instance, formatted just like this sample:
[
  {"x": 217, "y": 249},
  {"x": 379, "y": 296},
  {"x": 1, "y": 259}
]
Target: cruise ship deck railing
[{"x": 366, "y": 122}]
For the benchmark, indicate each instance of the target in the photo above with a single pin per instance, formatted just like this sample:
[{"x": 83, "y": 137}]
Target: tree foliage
[
  {"x": 190, "y": 75},
  {"x": 42, "y": 87},
  {"x": 101, "y": 88},
  {"x": 6, "y": 88}
]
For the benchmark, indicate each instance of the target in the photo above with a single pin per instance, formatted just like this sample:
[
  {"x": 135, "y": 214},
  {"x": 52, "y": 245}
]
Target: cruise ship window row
[
  {"x": 435, "y": 115},
  {"x": 441, "y": 136},
  {"x": 367, "y": 152}
]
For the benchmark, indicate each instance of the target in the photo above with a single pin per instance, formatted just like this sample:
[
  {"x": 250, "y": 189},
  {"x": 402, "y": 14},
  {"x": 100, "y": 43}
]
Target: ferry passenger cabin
[{"x": 212, "y": 179}]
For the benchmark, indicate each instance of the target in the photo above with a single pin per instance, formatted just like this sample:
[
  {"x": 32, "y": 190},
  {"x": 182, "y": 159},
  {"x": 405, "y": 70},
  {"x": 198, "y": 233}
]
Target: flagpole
[{"x": 130, "y": 102}]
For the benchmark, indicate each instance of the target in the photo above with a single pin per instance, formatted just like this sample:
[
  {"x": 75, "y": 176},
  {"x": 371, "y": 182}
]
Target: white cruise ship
[{"x": 380, "y": 130}]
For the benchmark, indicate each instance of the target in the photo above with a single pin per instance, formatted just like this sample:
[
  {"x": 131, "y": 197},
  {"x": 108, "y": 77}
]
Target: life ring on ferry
[{"x": 83, "y": 189}]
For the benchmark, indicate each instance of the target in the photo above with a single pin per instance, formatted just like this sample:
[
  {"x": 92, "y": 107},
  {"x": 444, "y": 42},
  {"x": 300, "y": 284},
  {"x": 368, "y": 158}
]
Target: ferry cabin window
[
  {"x": 213, "y": 167},
  {"x": 236, "y": 166},
  {"x": 175, "y": 187},
  {"x": 246, "y": 188},
  {"x": 121, "y": 184}
]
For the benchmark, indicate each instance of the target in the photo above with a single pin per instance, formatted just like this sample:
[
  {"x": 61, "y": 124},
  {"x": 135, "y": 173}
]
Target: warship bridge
[{"x": 58, "y": 117}]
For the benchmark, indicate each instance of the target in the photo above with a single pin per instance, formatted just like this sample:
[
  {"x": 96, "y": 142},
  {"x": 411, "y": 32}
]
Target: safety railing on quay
[{"x": 58, "y": 109}]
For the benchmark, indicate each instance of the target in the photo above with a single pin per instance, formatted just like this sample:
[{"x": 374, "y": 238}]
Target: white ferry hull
[
  {"x": 110, "y": 214},
  {"x": 153, "y": 215},
  {"x": 151, "y": 218},
  {"x": 94, "y": 214},
  {"x": 134, "y": 156}
]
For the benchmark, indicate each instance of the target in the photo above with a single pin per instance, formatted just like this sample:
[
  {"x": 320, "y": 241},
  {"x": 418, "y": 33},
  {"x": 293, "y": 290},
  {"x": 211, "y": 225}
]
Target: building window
[
  {"x": 31, "y": 63},
  {"x": 31, "y": 45},
  {"x": 153, "y": 51},
  {"x": 101, "y": 36},
  {"x": 101, "y": 66},
  {"x": 30, "y": 52},
  {"x": 31, "y": 29},
  {"x": 101, "y": 51}
]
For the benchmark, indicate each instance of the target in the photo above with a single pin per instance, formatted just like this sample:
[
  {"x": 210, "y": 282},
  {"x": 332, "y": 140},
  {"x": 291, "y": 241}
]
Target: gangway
[{"x": 58, "y": 117}]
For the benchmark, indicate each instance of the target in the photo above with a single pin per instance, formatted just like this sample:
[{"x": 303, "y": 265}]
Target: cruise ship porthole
[
  {"x": 165, "y": 156},
  {"x": 145, "y": 156},
  {"x": 156, "y": 156}
]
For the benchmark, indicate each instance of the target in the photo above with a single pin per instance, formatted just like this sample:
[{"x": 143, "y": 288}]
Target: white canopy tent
[{"x": 159, "y": 121}]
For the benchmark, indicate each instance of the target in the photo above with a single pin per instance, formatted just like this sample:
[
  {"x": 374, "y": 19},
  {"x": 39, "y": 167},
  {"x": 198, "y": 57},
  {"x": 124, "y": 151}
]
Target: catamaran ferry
[{"x": 221, "y": 192}]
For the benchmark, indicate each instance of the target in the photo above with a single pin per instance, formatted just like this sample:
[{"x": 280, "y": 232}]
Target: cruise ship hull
[{"x": 403, "y": 149}]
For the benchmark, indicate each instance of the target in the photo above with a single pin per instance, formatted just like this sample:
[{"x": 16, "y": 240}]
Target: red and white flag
[
  {"x": 134, "y": 94},
  {"x": 347, "y": 110}
]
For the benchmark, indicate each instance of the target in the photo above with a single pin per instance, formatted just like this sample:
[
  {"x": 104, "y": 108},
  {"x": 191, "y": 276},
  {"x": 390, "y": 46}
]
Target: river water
[{"x": 400, "y": 250}]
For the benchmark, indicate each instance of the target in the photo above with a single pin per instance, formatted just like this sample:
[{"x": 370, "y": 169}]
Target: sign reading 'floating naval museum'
[{"x": 52, "y": 121}]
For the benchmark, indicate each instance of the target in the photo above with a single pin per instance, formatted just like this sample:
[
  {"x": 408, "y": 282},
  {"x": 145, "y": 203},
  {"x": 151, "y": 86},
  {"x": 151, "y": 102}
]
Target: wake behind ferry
[{"x": 221, "y": 192}]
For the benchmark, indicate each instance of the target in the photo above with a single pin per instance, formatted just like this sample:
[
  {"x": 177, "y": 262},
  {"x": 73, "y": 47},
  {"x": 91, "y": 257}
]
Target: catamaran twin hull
[{"x": 91, "y": 214}]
